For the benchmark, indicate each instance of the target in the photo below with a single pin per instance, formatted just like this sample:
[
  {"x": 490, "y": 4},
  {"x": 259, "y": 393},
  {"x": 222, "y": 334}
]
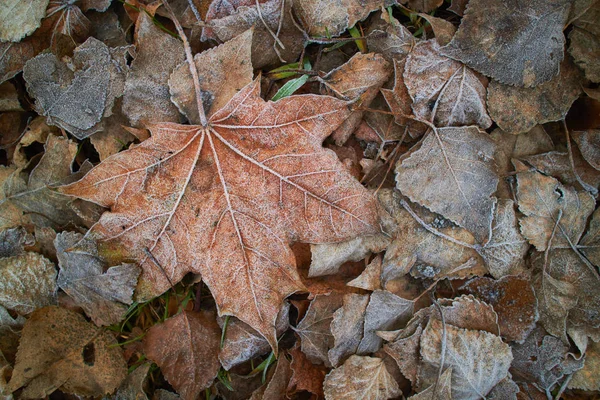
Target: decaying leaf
[
  {"x": 444, "y": 91},
  {"x": 585, "y": 42},
  {"x": 242, "y": 343},
  {"x": 347, "y": 327},
  {"x": 588, "y": 378},
  {"x": 542, "y": 200},
  {"x": 518, "y": 44},
  {"x": 19, "y": 18},
  {"x": 276, "y": 37},
  {"x": 390, "y": 38},
  {"x": 513, "y": 300},
  {"x": 146, "y": 97},
  {"x": 589, "y": 145},
  {"x": 590, "y": 244},
  {"x": 239, "y": 191},
  {"x": 542, "y": 360},
  {"x": 222, "y": 70},
  {"x": 361, "y": 377},
  {"x": 185, "y": 347},
  {"x": 28, "y": 282},
  {"x": 479, "y": 360},
  {"x": 78, "y": 94},
  {"x": 517, "y": 109},
  {"x": 453, "y": 173},
  {"x": 103, "y": 295},
  {"x": 314, "y": 330},
  {"x": 305, "y": 375},
  {"x": 59, "y": 349},
  {"x": 133, "y": 386},
  {"x": 441, "y": 390}
]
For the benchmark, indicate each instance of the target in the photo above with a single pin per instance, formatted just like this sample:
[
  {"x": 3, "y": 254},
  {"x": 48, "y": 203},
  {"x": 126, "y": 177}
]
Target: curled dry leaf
[
  {"x": 513, "y": 300},
  {"x": 59, "y": 349},
  {"x": 358, "y": 79},
  {"x": 146, "y": 97},
  {"x": 222, "y": 71},
  {"x": 370, "y": 278},
  {"x": 541, "y": 200},
  {"x": 20, "y": 18},
  {"x": 542, "y": 360},
  {"x": 78, "y": 94},
  {"x": 493, "y": 35},
  {"x": 418, "y": 251},
  {"x": 517, "y": 110},
  {"x": 258, "y": 190},
  {"x": 277, "y": 386},
  {"x": 271, "y": 19},
  {"x": 589, "y": 145},
  {"x": 444, "y": 91},
  {"x": 28, "y": 282},
  {"x": 104, "y": 296},
  {"x": 588, "y": 378},
  {"x": 442, "y": 29},
  {"x": 584, "y": 42},
  {"x": 314, "y": 330},
  {"x": 479, "y": 360},
  {"x": 361, "y": 377},
  {"x": 347, "y": 327},
  {"x": 453, "y": 173},
  {"x": 185, "y": 347}
]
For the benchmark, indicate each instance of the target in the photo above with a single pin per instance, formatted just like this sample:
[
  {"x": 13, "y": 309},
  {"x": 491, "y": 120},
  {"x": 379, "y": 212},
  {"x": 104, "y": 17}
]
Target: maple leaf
[{"x": 226, "y": 200}]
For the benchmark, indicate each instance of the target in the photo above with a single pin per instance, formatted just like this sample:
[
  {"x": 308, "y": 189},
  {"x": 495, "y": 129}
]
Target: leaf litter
[{"x": 414, "y": 216}]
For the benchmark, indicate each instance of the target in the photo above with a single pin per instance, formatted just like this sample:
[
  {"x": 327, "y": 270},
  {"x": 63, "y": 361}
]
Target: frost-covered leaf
[
  {"x": 185, "y": 347},
  {"x": 13, "y": 240},
  {"x": 103, "y": 295},
  {"x": 222, "y": 71},
  {"x": 517, "y": 110},
  {"x": 305, "y": 375},
  {"x": 361, "y": 378},
  {"x": 277, "y": 386},
  {"x": 78, "y": 94},
  {"x": 519, "y": 44},
  {"x": 347, "y": 327},
  {"x": 584, "y": 42},
  {"x": 370, "y": 278},
  {"x": 590, "y": 244},
  {"x": 227, "y": 199},
  {"x": 314, "y": 329},
  {"x": 441, "y": 390},
  {"x": 453, "y": 173},
  {"x": 146, "y": 97},
  {"x": 442, "y": 29},
  {"x": 479, "y": 360},
  {"x": 588, "y": 377},
  {"x": 59, "y": 349},
  {"x": 19, "y": 18},
  {"x": 390, "y": 38},
  {"x": 133, "y": 386},
  {"x": 589, "y": 145},
  {"x": 513, "y": 300},
  {"x": 541, "y": 198},
  {"x": 28, "y": 282},
  {"x": 445, "y": 92}
]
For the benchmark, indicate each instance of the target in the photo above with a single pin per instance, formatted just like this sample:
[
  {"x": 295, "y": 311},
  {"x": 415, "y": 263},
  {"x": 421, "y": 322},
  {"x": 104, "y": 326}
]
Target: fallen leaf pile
[{"x": 299, "y": 199}]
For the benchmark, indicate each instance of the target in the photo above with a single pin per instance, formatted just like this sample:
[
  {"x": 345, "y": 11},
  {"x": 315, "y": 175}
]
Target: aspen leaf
[{"x": 19, "y": 18}]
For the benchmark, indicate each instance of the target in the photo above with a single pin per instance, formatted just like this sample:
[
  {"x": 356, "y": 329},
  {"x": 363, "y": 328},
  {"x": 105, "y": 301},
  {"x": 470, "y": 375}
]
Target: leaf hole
[{"x": 89, "y": 354}]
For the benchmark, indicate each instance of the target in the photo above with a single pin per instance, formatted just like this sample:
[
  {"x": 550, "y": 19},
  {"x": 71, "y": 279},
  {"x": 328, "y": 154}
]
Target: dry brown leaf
[
  {"x": 417, "y": 251},
  {"x": 518, "y": 110},
  {"x": 588, "y": 377},
  {"x": 326, "y": 19},
  {"x": 260, "y": 191},
  {"x": 228, "y": 19},
  {"x": 442, "y": 29},
  {"x": 441, "y": 390},
  {"x": 146, "y": 97},
  {"x": 314, "y": 330},
  {"x": 358, "y": 79},
  {"x": 305, "y": 375},
  {"x": 519, "y": 44},
  {"x": 9, "y": 101},
  {"x": 370, "y": 278},
  {"x": 222, "y": 71},
  {"x": 541, "y": 198},
  {"x": 584, "y": 42},
  {"x": 347, "y": 327},
  {"x": 568, "y": 292},
  {"x": 405, "y": 350},
  {"x": 10, "y": 214},
  {"x": 506, "y": 389},
  {"x": 505, "y": 252},
  {"x": 185, "y": 347},
  {"x": 20, "y": 18},
  {"x": 590, "y": 244},
  {"x": 361, "y": 378},
  {"x": 277, "y": 386},
  {"x": 114, "y": 137},
  {"x": 479, "y": 360},
  {"x": 13, "y": 240},
  {"x": 444, "y": 91},
  {"x": 107, "y": 28},
  {"x": 133, "y": 386},
  {"x": 513, "y": 300},
  {"x": 468, "y": 312},
  {"x": 453, "y": 173},
  {"x": 104, "y": 296},
  {"x": 589, "y": 145},
  {"x": 389, "y": 38},
  {"x": 242, "y": 343},
  {"x": 59, "y": 349},
  {"x": 28, "y": 282},
  {"x": 542, "y": 360},
  {"x": 76, "y": 95},
  {"x": 70, "y": 26}
]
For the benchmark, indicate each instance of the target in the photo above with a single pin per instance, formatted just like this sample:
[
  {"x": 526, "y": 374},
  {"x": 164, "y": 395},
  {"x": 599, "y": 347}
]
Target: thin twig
[
  {"x": 195, "y": 10},
  {"x": 191, "y": 63},
  {"x": 444, "y": 341}
]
